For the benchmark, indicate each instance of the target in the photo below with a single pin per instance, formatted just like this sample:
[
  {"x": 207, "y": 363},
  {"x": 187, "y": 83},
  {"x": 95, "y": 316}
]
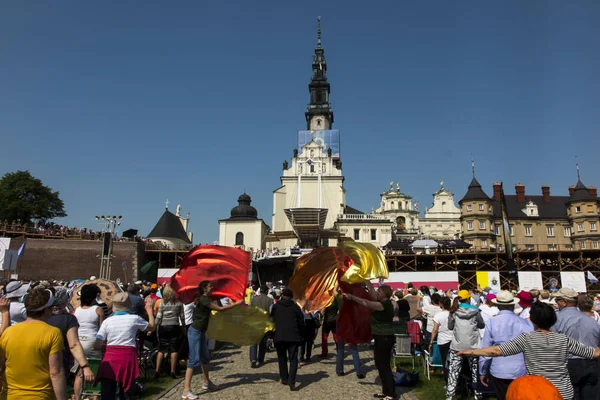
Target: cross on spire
[
  {"x": 473, "y": 167},
  {"x": 319, "y": 32},
  {"x": 167, "y": 204}
]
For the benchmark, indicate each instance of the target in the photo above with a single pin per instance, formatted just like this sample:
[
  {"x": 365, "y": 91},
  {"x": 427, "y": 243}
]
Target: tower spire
[
  {"x": 318, "y": 32},
  {"x": 473, "y": 167},
  {"x": 577, "y": 165}
]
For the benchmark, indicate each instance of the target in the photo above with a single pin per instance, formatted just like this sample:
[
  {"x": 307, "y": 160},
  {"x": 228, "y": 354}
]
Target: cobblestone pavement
[{"x": 317, "y": 380}]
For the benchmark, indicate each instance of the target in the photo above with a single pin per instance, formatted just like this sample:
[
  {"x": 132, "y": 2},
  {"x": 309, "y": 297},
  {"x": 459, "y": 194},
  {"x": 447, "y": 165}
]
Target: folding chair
[
  {"x": 403, "y": 349},
  {"x": 88, "y": 389},
  {"x": 433, "y": 360}
]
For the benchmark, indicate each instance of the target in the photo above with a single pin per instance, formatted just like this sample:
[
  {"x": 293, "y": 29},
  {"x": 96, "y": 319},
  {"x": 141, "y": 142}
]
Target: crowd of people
[
  {"x": 47, "y": 343},
  {"x": 503, "y": 337}
]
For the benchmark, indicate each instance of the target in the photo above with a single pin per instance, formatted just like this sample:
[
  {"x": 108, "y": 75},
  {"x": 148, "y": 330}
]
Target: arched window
[{"x": 239, "y": 239}]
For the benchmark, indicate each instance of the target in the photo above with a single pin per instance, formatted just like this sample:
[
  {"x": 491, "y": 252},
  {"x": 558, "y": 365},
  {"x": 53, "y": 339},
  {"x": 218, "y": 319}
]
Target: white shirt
[
  {"x": 431, "y": 312},
  {"x": 121, "y": 330},
  {"x": 444, "y": 334},
  {"x": 188, "y": 310},
  {"x": 426, "y": 301},
  {"x": 525, "y": 313}
]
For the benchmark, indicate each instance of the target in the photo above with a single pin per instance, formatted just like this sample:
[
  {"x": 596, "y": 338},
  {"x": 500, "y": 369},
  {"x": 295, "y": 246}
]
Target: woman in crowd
[
  {"x": 429, "y": 313},
  {"x": 198, "y": 345},
  {"x": 425, "y": 296},
  {"x": 32, "y": 353},
  {"x": 442, "y": 333},
  {"x": 117, "y": 334},
  {"x": 14, "y": 291},
  {"x": 402, "y": 313},
  {"x": 68, "y": 326},
  {"x": 170, "y": 320},
  {"x": 464, "y": 320},
  {"x": 89, "y": 316},
  {"x": 383, "y": 333},
  {"x": 546, "y": 353}
]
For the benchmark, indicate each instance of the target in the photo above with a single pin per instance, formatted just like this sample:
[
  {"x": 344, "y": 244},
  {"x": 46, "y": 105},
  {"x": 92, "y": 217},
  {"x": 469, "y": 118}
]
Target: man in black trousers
[{"x": 289, "y": 334}]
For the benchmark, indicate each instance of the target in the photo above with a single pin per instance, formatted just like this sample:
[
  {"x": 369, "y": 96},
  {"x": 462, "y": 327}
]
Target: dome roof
[{"x": 244, "y": 210}]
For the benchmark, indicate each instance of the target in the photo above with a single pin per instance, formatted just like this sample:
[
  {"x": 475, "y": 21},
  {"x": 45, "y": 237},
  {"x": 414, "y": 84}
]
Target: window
[
  {"x": 470, "y": 242},
  {"x": 582, "y": 244},
  {"x": 552, "y": 247},
  {"x": 481, "y": 207},
  {"x": 239, "y": 239},
  {"x": 357, "y": 234},
  {"x": 530, "y": 247},
  {"x": 528, "y": 230},
  {"x": 497, "y": 230},
  {"x": 550, "y": 230},
  {"x": 469, "y": 226},
  {"x": 593, "y": 226},
  {"x": 482, "y": 225},
  {"x": 579, "y": 227},
  {"x": 483, "y": 243},
  {"x": 469, "y": 208},
  {"x": 578, "y": 209},
  {"x": 568, "y": 247},
  {"x": 373, "y": 234},
  {"x": 568, "y": 231},
  {"x": 594, "y": 244}
]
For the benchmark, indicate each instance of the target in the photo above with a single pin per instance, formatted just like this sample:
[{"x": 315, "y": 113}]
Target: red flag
[
  {"x": 354, "y": 322},
  {"x": 227, "y": 268}
]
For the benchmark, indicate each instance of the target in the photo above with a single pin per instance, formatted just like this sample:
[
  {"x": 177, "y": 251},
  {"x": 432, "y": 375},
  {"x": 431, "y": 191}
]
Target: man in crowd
[
  {"x": 289, "y": 333},
  {"x": 265, "y": 303},
  {"x": 580, "y": 327},
  {"x": 505, "y": 326}
]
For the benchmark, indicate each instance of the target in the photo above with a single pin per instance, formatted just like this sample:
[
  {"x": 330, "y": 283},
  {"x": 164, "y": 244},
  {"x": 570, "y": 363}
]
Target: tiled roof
[
  {"x": 475, "y": 192},
  {"x": 351, "y": 210},
  {"x": 555, "y": 209},
  {"x": 581, "y": 193}
]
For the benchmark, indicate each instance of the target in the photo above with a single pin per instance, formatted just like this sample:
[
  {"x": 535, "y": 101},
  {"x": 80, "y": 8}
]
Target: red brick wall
[{"x": 74, "y": 259}]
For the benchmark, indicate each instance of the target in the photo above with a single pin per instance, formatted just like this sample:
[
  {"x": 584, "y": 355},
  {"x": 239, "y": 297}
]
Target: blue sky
[{"x": 120, "y": 105}]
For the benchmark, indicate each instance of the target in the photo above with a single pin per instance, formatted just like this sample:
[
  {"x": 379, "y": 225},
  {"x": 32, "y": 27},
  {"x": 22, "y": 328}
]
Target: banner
[
  {"x": 574, "y": 280},
  {"x": 368, "y": 262},
  {"x": 440, "y": 280},
  {"x": 508, "y": 247},
  {"x": 489, "y": 278},
  {"x": 4, "y": 246},
  {"x": 530, "y": 280}
]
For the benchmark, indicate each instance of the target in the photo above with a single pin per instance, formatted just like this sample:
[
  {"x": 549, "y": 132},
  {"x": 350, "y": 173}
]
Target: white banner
[
  {"x": 530, "y": 280},
  {"x": 4, "y": 245},
  {"x": 10, "y": 260},
  {"x": 574, "y": 280}
]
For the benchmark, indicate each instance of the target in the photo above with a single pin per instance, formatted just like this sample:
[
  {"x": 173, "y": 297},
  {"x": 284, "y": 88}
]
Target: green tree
[{"x": 25, "y": 198}]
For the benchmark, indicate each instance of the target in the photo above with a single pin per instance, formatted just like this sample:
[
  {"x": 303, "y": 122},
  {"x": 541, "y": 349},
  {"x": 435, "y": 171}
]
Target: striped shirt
[{"x": 546, "y": 354}]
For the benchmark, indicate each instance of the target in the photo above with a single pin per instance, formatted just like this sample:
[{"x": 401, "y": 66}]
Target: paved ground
[{"x": 317, "y": 380}]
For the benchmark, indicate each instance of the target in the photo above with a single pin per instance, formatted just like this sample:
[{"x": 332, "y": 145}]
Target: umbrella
[
  {"x": 107, "y": 290},
  {"x": 130, "y": 233}
]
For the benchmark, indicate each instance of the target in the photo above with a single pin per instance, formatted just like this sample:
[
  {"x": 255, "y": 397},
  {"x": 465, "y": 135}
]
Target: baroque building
[
  {"x": 442, "y": 219},
  {"x": 243, "y": 228},
  {"x": 537, "y": 222}
]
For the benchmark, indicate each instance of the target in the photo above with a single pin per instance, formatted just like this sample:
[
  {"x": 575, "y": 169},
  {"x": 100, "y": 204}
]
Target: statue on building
[
  {"x": 329, "y": 152},
  {"x": 295, "y": 153},
  {"x": 285, "y": 164},
  {"x": 398, "y": 186},
  {"x": 178, "y": 212},
  {"x": 416, "y": 206}
]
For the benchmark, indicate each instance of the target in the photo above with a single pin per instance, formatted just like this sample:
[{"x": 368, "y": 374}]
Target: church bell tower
[{"x": 319, "y": 115}]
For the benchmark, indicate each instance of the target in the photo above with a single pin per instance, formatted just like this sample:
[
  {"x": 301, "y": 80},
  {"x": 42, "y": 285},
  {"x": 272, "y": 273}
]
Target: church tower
[{"x": 319, "y": 115}]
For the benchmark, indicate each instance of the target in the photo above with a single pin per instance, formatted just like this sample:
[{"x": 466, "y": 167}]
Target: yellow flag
[
  {"x": 368, "y": 262},
  {"x": 240, "y": 325}
]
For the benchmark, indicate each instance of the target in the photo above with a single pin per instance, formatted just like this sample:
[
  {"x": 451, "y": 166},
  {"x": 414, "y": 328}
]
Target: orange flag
[{"x": 316, "y": 277}]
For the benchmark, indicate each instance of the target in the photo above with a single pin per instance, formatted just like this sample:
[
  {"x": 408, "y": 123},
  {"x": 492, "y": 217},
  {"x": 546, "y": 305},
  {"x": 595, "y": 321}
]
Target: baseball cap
[{"x": 464, "y": 294}]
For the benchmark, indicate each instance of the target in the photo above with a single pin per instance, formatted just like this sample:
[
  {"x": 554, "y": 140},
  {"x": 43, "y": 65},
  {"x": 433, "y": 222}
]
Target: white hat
[
  {"x": 505, "y": 298},
  {"x": 16, "y": 289},
  {"x": 93, "y": 278}
]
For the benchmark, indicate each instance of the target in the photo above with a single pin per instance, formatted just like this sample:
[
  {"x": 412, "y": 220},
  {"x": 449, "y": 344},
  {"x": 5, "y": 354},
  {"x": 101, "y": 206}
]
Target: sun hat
[
  {"x": 505, "y": 298},
  {"x": 490, "y": 297},
  {"x": 566, "y": 293},
  {"x": 532, "y": 387},
  {"x": 464, "y": 294},
  {"x": 525, "y": 299},
  {"x": 121, "y": 302},
  {"x": 16, "y": 289}
]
